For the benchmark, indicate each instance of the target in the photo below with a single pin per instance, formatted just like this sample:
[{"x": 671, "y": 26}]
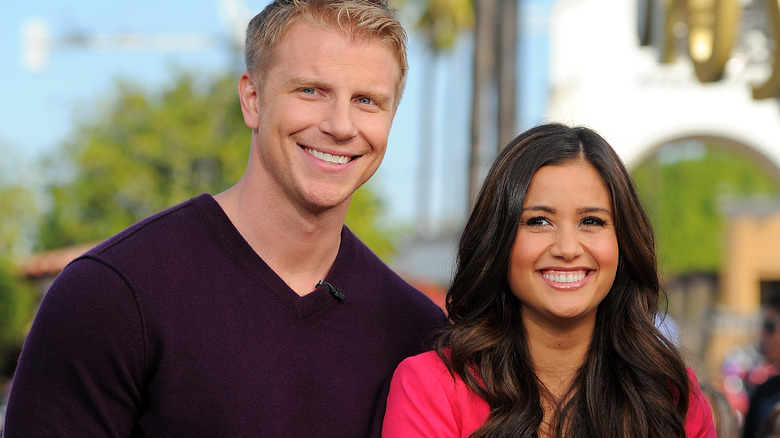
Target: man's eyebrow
[
  {"x": 384, "y": 100},
  {"x": 299, "y": 81}
]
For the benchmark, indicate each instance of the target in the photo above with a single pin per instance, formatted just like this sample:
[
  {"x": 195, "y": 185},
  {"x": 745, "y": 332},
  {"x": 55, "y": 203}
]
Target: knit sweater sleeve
[{"x": 82, "y": 363}]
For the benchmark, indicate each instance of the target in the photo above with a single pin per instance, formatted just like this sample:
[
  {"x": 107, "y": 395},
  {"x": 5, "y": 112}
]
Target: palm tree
[
  {"x": 494, "y": 85},
  {"x": 494, "y": 109},
  {"x": 438, "y": 24}
]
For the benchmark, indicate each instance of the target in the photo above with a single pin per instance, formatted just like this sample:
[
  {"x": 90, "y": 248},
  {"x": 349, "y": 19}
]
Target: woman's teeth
[{"x": 563, "y": 277}]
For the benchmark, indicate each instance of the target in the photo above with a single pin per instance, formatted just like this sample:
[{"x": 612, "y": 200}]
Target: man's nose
[{"x": 339, "y": 122}]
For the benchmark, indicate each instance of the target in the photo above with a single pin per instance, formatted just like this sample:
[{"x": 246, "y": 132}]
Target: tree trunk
[
  {"x": 494, "y": 94},
  {"x": 507, "y": 73},
  {"x": 427, "y": 122},
  {"x": 483, "y": 89}
]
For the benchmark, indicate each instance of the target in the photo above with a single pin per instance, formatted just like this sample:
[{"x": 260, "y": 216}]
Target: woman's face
[{"x": 565, "y": 254}]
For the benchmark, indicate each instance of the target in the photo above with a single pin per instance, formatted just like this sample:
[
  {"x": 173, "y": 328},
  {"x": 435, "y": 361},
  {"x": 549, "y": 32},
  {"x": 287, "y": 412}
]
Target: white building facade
[{"x": 640, "y": 99}]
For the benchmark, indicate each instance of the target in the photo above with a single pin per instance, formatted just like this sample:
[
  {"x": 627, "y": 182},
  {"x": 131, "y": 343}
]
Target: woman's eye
[
  {"x": 536, "y": 221},
  {"x": 594, "y": 221}
]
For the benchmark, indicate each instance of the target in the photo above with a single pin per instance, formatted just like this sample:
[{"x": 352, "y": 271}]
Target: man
[
  {"x": 766, "y": 394},
  {"x": 254, "y": 312}
]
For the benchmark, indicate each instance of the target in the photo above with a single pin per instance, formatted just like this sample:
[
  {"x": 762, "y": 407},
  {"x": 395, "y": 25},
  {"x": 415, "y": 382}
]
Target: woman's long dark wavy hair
[{"x": 633, "y": 382}]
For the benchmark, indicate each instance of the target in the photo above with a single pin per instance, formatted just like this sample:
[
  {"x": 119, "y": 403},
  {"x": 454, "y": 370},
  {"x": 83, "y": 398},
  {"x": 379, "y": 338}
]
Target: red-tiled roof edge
[{"x": 52, "y": 262}]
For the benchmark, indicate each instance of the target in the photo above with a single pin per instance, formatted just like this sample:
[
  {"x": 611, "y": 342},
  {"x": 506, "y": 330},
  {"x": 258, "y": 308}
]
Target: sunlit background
[{"x": 111, "y": 111}]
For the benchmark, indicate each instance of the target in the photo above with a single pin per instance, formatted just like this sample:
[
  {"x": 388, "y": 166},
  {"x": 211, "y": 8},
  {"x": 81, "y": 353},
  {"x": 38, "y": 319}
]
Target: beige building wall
[{"x": 752, "y": 256}]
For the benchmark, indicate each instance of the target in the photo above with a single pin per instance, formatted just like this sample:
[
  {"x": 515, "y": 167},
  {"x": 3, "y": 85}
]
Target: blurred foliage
[
  {"x": 17, "y": 226},
  {"x": 439, "y": 21},
  {"x": 682, "y": 187},
  {"x": 18, "y": 302},
  {"x": 141, "y": 152},
  {"x": 364, "y": 219},
  {"x": 19, "y": 208}
]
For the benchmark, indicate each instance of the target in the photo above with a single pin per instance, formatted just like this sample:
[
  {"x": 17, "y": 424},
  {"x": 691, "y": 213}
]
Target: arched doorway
[{"x": 716, "y": 212}]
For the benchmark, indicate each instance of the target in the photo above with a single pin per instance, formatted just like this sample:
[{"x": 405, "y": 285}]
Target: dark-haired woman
[{"x": 552, "y": 310}]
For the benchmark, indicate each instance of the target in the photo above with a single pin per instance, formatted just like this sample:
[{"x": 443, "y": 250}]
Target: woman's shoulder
[
  {"x": 424, "y": 369},
  {"x": 699, "y": 421},
  {"x": 426, "y": 374},
  {"x": 427, "y": 359},
  {"x": 426, "y": 397}
]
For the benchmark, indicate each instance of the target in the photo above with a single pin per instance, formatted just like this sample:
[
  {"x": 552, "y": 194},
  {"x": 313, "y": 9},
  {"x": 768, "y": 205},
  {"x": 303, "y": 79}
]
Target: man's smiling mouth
[{"x": 328, "y": 158}]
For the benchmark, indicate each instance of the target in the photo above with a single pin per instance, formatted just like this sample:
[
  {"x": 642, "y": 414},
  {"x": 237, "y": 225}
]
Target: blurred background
[{"x": 111, "y": 111}]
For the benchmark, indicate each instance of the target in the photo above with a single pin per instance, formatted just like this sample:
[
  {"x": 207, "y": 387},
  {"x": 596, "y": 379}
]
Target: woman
[{"x": 552, "y": 310}]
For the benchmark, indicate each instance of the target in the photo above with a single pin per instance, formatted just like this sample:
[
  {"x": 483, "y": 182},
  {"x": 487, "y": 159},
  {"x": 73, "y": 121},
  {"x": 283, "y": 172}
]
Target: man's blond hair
[{"x": 358, "y": 19}]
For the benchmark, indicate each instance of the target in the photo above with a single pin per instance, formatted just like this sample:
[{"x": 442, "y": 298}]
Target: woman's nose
[{"x": 567, "y": 245}]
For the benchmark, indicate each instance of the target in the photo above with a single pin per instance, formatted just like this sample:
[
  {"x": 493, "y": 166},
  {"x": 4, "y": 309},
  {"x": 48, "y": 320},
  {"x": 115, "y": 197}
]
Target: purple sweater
[{"x": 175, "y": 327}]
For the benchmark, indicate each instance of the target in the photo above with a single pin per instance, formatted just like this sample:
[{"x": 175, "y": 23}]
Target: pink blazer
[{"x": 424, "y": 401}]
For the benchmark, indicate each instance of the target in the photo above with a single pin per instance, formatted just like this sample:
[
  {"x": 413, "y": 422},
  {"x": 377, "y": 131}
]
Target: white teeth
[
  {"x": 564, "y": 278},
  {"x": 334, "y": 159}
]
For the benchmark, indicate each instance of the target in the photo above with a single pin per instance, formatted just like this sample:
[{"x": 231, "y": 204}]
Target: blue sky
[{"x": 38, "y": 107}]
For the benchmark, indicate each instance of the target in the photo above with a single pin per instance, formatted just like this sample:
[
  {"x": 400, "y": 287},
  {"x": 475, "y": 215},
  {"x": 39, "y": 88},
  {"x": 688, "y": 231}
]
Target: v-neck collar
[{"x": 303, "y": 306}]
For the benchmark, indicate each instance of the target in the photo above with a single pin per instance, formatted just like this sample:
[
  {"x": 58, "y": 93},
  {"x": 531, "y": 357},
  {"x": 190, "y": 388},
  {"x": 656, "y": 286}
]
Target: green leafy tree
[
  {"x": 682, "y": 188},
  {"x": 17, "y": 295},
  {"x": 364, "y": 219},
  {"x": 19, "y": 206},
  {"x": 18, "y": 299},
  {"x": 17, "y": 305},
  {"x": 141, "y": 152}
]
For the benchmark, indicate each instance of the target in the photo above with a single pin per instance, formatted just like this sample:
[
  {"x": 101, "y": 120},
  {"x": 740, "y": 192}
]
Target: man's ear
[{"x": 247, "y": 93}]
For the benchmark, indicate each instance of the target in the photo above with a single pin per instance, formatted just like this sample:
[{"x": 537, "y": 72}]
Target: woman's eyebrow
[
  {"x": 585, "y": 210},
  {"x": 543, "y": 208}
]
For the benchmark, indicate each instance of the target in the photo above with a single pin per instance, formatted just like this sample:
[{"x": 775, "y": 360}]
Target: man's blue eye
[{"x": 365, "y": 100}]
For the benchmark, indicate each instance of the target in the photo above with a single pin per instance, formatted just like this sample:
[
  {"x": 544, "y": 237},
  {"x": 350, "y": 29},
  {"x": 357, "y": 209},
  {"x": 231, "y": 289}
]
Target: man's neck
[{"x": 299, "y": 246}]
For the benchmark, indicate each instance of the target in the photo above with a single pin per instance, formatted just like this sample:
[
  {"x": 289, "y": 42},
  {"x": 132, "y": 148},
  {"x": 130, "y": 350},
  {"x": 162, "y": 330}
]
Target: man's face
[
  {"x": 321, "y": 117},
  {"x": 770, "y": 336}
]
